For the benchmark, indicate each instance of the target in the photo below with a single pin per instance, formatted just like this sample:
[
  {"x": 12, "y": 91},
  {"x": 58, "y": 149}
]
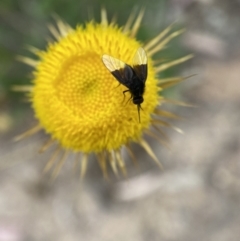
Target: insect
[{"x": 133, "y": 77}]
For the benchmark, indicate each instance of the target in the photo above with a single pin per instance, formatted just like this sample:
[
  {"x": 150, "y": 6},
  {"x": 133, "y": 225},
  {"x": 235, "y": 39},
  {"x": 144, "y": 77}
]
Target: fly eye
[{"x": 137, "y": 100}]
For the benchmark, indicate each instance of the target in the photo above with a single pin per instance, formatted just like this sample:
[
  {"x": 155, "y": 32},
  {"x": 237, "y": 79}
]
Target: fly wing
[
  {"x": 140, "y": 64},
  {"x": 121, "y": 71}
]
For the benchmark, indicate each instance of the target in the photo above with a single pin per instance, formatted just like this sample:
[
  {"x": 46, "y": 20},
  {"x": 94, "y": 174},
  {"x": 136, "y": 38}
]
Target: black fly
[{"x": 133, "y": 77}]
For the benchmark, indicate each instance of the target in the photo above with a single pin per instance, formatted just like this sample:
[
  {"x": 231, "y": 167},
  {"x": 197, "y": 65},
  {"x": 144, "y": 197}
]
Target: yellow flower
[{"x": 79, "y": 103}]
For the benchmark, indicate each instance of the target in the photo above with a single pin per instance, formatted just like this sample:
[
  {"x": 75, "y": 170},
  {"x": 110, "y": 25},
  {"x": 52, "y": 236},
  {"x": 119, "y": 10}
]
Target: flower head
[{"x": 81, "y": 105}]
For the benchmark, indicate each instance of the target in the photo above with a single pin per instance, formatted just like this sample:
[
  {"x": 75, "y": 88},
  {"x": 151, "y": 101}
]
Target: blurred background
[{"x": 196, "y": 197}]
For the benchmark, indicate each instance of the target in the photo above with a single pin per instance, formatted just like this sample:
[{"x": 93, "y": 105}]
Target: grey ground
[{"x": 196, "y": 197}]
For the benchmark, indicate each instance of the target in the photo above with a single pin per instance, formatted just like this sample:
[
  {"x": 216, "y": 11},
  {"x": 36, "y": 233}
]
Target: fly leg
[{"x": 125, "y": 96}]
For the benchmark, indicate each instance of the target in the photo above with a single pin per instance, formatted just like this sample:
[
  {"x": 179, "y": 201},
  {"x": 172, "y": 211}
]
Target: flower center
[{"x": 81, "y": 87}]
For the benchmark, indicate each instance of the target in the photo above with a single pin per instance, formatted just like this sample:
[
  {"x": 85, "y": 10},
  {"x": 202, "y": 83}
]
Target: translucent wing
[
  {"x": 121, "y": 71},
  {"x": 140, "y": 57},
  {"x": 140, "y": 64},
  {"x": 111, "y": 63}
]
